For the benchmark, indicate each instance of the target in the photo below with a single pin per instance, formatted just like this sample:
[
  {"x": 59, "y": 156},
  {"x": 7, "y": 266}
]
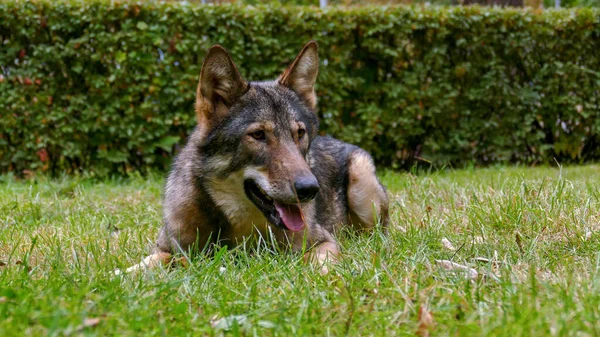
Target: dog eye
[
  {"x": 301, "y": 133},
  {"x": 258, "y": 135}
]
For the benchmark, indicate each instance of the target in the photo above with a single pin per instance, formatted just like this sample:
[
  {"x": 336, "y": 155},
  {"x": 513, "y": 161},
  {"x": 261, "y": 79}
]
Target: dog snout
[{"x": 306, "y": 187}]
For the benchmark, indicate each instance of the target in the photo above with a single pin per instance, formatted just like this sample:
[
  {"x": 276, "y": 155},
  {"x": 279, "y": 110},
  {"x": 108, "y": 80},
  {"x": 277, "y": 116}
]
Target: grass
[{"x": 532, "y": 234}]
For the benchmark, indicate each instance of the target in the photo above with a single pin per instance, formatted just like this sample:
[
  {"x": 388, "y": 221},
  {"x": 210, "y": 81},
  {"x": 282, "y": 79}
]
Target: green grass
[{"x": 539, "y": 229}]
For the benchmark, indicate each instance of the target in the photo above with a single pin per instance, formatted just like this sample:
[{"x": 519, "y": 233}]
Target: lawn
[{"x": 530, "y": 235}]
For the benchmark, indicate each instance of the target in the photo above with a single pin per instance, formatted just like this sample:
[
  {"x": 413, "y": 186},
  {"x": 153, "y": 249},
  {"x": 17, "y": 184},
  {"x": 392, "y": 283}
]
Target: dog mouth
[{"x": 286, "y": 216}]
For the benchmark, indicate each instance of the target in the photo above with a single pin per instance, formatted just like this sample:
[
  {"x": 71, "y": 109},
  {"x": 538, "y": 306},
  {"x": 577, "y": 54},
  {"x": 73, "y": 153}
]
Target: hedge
[{"x": 108, "y": 86}]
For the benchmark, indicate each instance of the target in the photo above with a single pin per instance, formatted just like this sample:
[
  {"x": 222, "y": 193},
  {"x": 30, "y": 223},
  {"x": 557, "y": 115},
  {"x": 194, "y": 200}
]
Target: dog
[{"x": 256, "y": 166}]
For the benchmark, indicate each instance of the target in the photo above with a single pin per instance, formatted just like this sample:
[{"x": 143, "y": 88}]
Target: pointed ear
[
  {"x": 219, "y": 86},
  {"x": 302, "y": 74}
]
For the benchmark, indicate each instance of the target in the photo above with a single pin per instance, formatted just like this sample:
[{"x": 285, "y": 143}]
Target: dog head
[{"x": 263, "y": 130}]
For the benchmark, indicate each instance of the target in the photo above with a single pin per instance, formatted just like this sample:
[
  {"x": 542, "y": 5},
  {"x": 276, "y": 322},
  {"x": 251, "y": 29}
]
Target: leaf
[
  {"x": 167, "y": 143},
  {"x": 142, "y": 25},
  {"x": 469, "y": 273},
  {"x": 88, "y": 322},
  {"x": 120, "y": 57},
  {"x": 426, "y": 322},
  {"x": 227, "y": 323},
  {"x": 115, "y": 156},
  {"x": 447, "y": 244},
  {"x": 266, "y": 324},
  {"x": 91, "y": 322}
]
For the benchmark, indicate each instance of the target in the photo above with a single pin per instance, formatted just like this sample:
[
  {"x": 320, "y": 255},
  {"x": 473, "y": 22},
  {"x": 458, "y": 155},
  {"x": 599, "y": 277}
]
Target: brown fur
[{"x": 256, "y": 147}]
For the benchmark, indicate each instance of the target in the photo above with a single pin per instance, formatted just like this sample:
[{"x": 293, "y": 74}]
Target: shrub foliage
[{"x": 108, "y": 86}]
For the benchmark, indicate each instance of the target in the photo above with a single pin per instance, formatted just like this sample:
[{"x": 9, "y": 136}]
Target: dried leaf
[
  {"x": 489, "y": 274},
  {"x": 470, "y": 273},
  {"x": 401, "y": 229},
  {"x": 519, "y": 243},
  {"x": 494, "y": 262},
  {"x": 89, "y": 322},
  {"x": 425, "y": 322},
  {"x": 226, "y": 323},
  {"x": 266, "y": 324},
  {"x": 20, "y": 263},
  {"x": 447, "y": 244}
]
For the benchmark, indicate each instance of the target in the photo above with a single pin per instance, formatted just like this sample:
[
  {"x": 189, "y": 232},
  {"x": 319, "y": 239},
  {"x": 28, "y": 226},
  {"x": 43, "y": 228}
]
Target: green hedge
[{"x": 109, "y": 86}]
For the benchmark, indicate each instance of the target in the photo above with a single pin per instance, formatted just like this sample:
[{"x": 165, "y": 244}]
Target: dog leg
[
  {"x": 367, "y": 198},
  {"x": 151, "y": 261},
  {"x": 323, "y": 255}
]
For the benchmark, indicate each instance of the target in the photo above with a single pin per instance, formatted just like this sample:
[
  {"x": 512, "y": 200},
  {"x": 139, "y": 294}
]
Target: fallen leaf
[
  {"x": 447, "y": 244},
  {"x": 478, "y": 240},
  {"x": 226, "y": 323},
  {"x": 425, "y": 322},
  {"x": 470, "y": 273},
  {"x": 494, "y": 262},
  {"x": 519, "y": 243},
  {"x": 400, "y": 228},
  {"x": 89, "y": 322},
  {"x": 266, "y": 324}
]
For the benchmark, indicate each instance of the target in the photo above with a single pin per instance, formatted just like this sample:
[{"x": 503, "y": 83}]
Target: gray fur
[{"x": 202, "y": 199}]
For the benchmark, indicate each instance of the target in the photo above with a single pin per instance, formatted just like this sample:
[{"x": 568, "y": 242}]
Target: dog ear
[
  {"x": 302, "y": 74},
  {"x": 219, "y": 86}
]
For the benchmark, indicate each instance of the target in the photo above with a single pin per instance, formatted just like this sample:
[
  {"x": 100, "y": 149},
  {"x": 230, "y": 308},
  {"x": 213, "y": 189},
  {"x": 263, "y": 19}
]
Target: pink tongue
[{"x": 291, "y": 214}]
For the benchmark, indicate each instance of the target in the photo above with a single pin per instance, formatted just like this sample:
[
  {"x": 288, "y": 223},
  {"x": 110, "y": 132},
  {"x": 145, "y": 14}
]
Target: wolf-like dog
[{"x": 254, "y": 165}]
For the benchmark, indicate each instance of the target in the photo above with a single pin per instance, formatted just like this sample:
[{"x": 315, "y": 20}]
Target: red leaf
[{"x": 43, "y": 155}]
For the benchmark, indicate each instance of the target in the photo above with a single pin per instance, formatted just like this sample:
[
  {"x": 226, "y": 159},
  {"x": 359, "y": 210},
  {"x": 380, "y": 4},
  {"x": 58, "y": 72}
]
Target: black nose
[{"x": 306, "y": 187}]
